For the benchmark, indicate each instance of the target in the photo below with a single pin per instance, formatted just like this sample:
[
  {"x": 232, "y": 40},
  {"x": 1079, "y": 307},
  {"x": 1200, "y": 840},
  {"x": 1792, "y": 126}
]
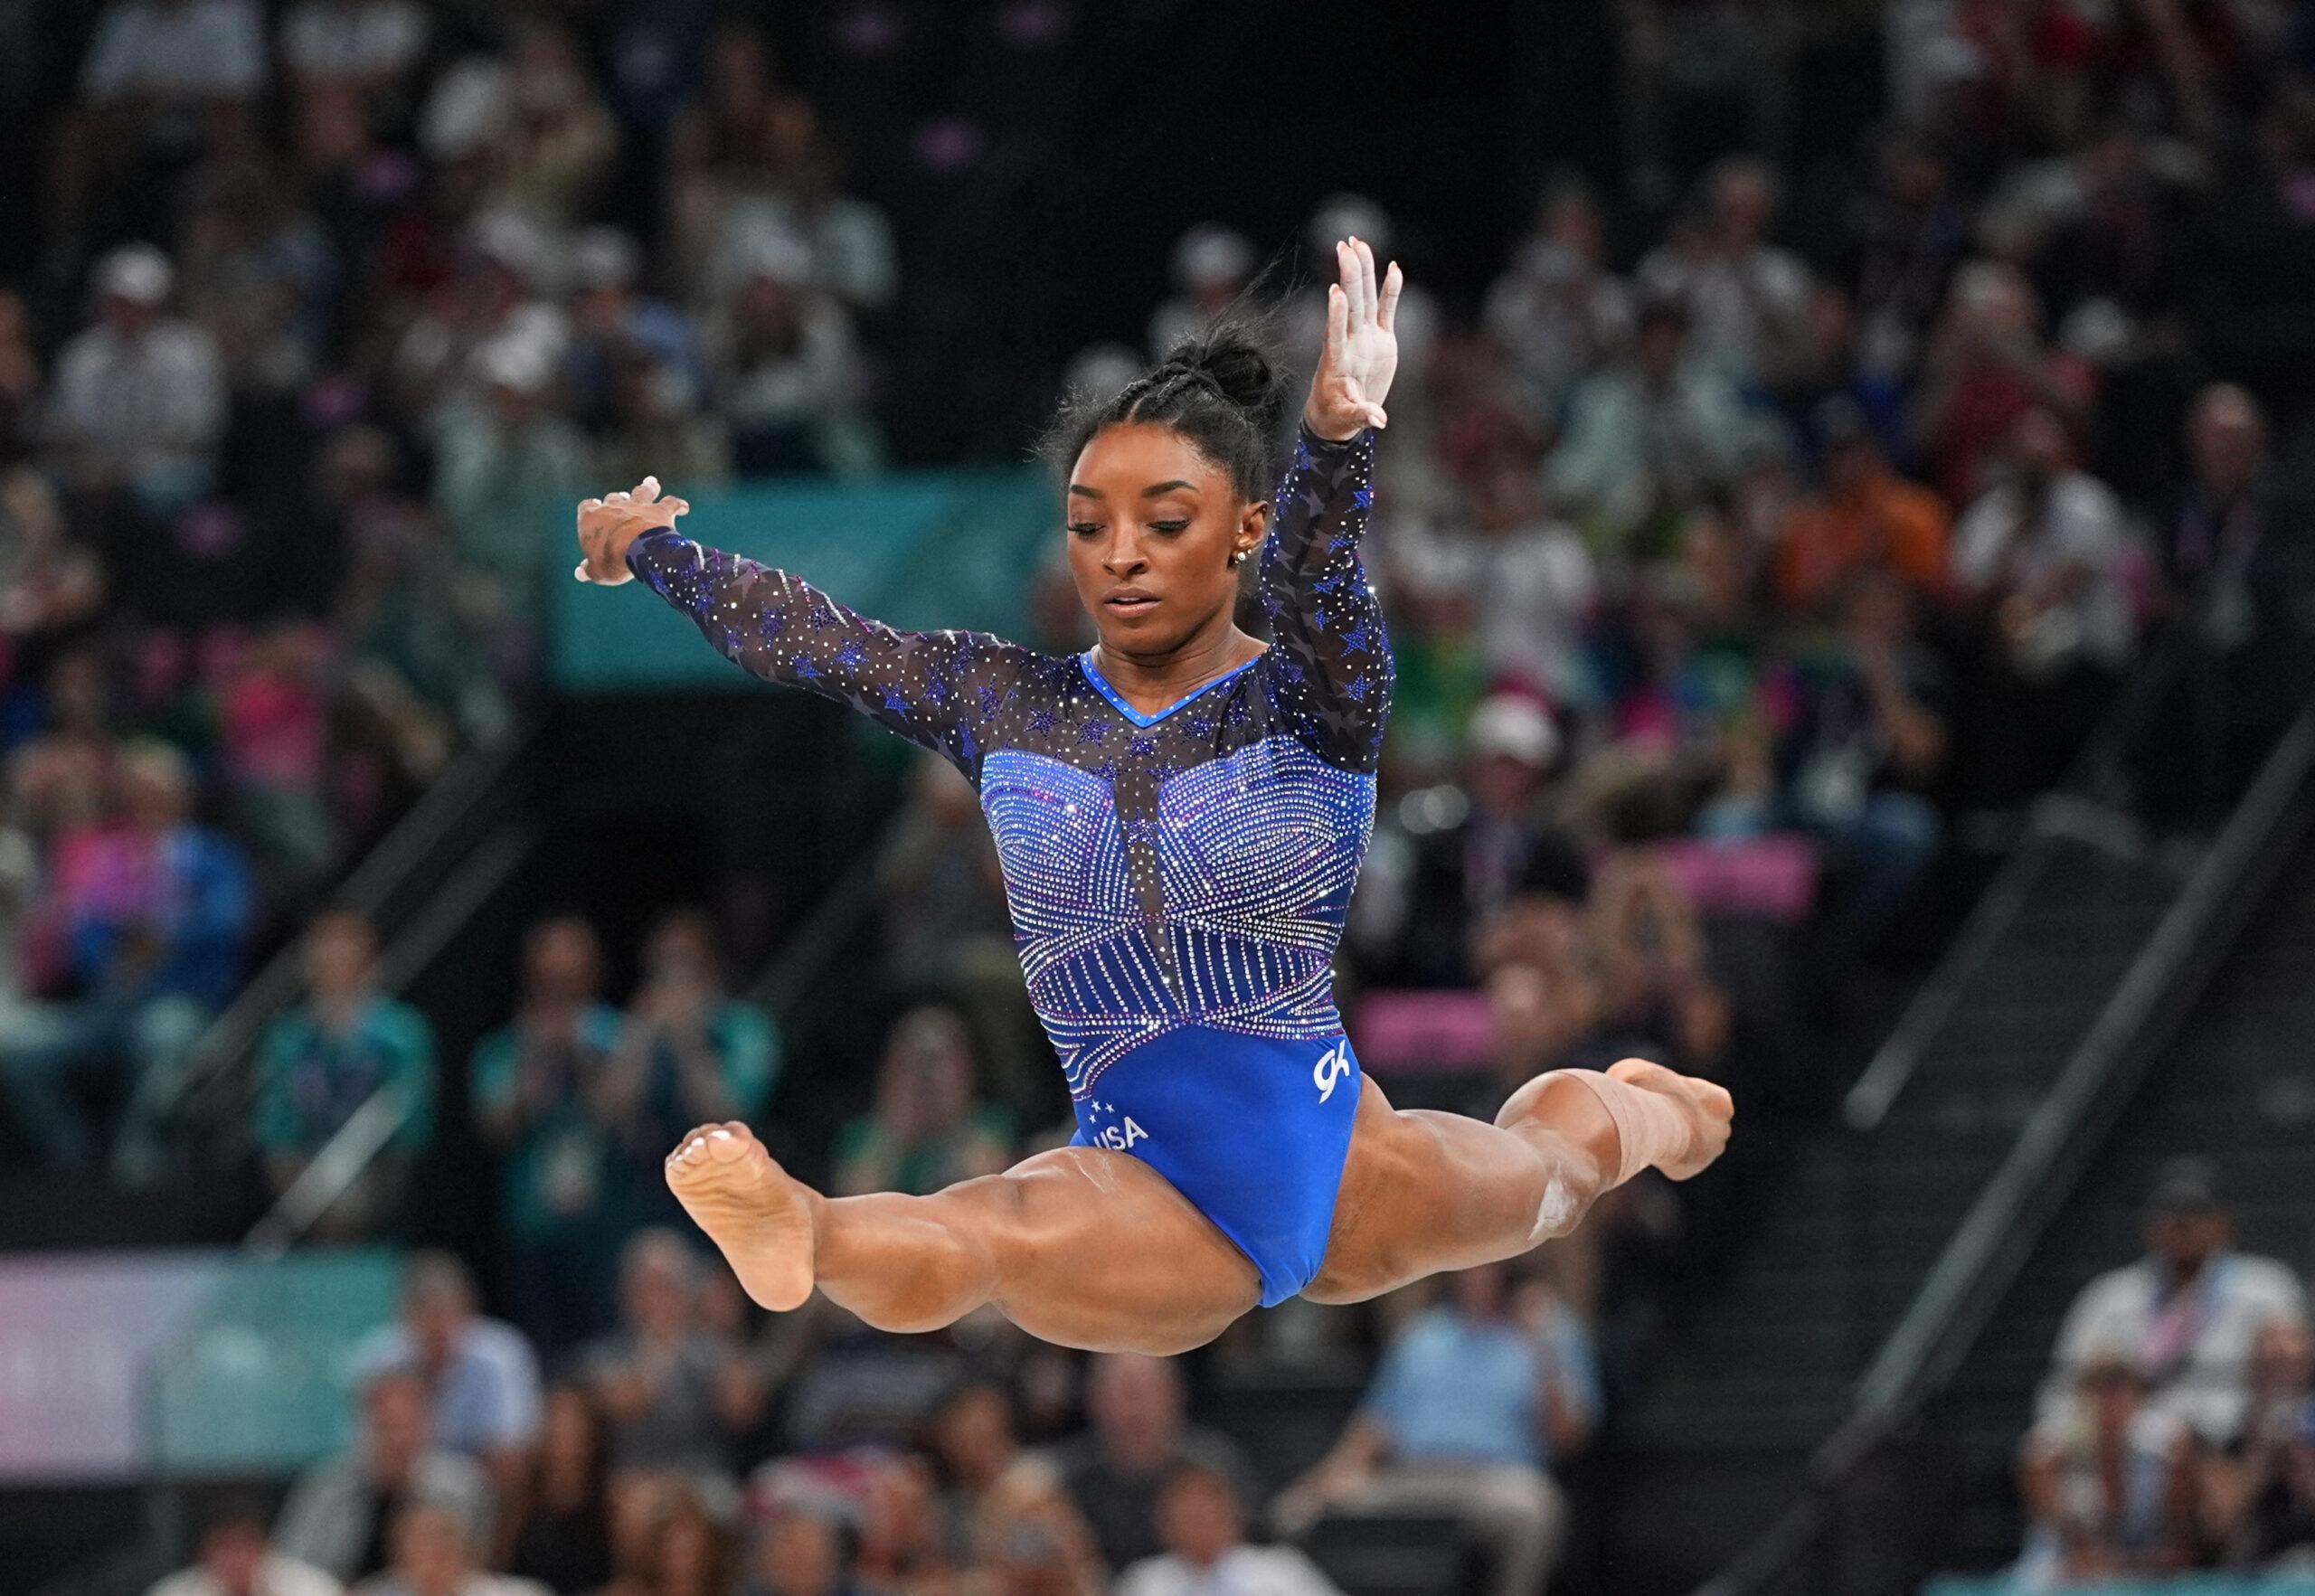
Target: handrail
[
  {"x": 365, "y": 891},
  {"x": 1894, "y": 1062},
  {"x": 1991, "y": 1246},
  {"x": 347, "y": 1156}
]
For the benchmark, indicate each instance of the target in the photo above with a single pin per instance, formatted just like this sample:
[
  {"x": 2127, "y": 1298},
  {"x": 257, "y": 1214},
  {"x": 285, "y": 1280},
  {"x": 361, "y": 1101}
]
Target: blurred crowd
[
  {"x": 2176, "y": 1428},
  {"x": 1760, "y": 537}
]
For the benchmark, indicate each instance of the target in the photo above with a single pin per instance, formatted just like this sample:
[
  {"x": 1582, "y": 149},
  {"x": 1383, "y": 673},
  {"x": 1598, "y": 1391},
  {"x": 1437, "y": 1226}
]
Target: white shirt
[
  {"x": 1242, "y": 1570},
  {"x": 352, "y": 38},
  {"x": 1742, "y": 313},
  {"x": 155, "y": 399},
  {"x": 1533, "y": 591},
  {"x": 196, "y": 47},
  {"x": 2199, "y": 1361},
  {"x": 275, "y": 1576},
  {"x": 2080, "y": 522}
]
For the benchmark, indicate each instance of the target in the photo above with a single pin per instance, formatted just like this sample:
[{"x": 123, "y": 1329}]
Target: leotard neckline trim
[{"x": 1118, "y": 702}]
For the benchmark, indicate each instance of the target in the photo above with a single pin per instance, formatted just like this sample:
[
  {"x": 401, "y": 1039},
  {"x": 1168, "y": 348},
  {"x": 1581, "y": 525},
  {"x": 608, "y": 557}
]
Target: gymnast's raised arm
[{"x": 937, "y": 689}]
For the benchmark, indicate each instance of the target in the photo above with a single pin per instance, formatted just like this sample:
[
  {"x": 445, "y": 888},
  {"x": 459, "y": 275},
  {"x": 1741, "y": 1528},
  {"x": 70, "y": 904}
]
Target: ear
[{"x": 1253, "y": 527}]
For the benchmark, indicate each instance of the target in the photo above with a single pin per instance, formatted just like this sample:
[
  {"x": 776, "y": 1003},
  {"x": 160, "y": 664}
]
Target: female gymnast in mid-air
[{"x": 1180, "y": 812}]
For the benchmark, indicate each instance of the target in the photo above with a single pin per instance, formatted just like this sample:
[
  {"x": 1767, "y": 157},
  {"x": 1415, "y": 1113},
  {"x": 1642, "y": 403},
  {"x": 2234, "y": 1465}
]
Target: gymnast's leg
[
  {"x": 1080, "y": 1246},
  {"x": 1426, "y": 1192}
]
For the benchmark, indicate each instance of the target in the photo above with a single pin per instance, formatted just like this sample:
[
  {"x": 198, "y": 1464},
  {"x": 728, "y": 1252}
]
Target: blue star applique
[
  {"x": 1142, "y": 748},
  {"x": 774, "y": 622},
  {"x": 1359, "y": 639},
  {"x": 821, "y": 617},
  {"x": 1041, "y": 721},
  {"x": 1318, "y": 619},
  {"x": 895, "y": 702},
  {"x": 1201, "y": 725},
  {"x": 1302, "y": 457},
  {"x": 805, "y": 669},
  {"x": 1327, "y": 584},
  {"x": 850, "y": 656},
  {"x": 989, "y": 702},
  {"x": 1365, "y": 497},
  {"x": 1289, "y": 671},
  {"x": 1358, "y": 688},
  {"x": 937, "y": 690},
  {"x": 966, "y": 749},
  {"x": 1094, "y": 731}
]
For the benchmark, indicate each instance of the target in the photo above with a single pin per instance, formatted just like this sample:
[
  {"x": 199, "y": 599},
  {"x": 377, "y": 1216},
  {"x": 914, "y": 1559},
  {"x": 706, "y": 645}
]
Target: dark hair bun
[{"x": 1235, "y": 355}]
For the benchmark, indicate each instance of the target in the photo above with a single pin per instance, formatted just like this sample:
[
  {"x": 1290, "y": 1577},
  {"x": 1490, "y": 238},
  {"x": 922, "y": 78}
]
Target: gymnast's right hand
[{"x": 608, "y": 526}]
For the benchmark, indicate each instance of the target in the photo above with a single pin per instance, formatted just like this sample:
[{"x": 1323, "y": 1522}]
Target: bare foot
[
  {"x": 1705, "y": 1104},
  {"x": 758, "y": 1215}
]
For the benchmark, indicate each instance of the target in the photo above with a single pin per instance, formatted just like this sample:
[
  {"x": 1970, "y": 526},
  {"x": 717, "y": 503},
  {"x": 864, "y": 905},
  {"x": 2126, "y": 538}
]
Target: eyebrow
[{"x": 1151, "y": 491}]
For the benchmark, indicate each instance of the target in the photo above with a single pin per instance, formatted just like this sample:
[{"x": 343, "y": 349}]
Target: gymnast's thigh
[{"x": 1098, "y": 1250}]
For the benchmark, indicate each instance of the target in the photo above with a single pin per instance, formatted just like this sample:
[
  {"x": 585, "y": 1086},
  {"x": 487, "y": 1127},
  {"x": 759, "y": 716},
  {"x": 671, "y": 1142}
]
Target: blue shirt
[
  {"x": 488, "y": 1398},
  {"x": 1455, "y": 1389}
]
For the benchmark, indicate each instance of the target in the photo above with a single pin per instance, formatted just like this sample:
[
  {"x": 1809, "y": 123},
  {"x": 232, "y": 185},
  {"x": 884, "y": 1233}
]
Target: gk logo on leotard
[{"x": 1332, "y": 1066}]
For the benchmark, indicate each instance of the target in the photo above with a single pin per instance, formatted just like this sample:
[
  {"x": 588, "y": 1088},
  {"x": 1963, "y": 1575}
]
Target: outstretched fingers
[
  {"x": 1386, "y": 316},
  {"x": 1337, "y": 324}
]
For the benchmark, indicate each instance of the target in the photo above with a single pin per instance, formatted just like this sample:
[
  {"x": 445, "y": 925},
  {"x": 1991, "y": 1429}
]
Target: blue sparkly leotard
[{"x": 1178, "y": 881}]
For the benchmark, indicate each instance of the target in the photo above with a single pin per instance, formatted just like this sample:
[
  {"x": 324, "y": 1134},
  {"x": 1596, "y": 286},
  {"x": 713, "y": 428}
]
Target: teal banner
[{"x": 930, "y": 549}]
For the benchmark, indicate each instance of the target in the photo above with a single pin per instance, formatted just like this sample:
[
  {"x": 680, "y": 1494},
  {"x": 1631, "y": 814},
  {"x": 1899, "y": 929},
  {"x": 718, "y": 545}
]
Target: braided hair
[{"x": 1222, "y": 389}]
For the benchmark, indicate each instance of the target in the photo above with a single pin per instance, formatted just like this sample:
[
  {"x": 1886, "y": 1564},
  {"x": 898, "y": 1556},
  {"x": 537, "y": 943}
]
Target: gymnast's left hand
[
  {"x": 1362, "y": 351},
  {"x": 608, "y": 526}
]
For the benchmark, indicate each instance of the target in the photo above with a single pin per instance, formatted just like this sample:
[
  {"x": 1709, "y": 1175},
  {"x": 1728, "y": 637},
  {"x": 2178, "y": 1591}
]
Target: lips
[{"x": 1130, "y": 601}]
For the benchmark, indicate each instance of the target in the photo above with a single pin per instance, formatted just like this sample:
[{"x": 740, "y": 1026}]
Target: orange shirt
[{"x": 1891, "y": 520}]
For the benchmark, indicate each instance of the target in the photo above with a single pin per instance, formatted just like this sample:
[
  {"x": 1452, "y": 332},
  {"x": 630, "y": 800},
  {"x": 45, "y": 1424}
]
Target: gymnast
[{"x": 1180, "y": 812}]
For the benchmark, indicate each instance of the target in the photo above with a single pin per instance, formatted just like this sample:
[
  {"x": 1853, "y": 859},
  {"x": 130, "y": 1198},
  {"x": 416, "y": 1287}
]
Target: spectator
[
  {"x": 1206, "y": 1552},
  {"x": 743, "y": 135},
  {"x": 2187, "y": 1316},
  {"x": 970, "y": 1436},
  {"x": 1829, "y": 366},
  {"x": 787, "y": 373},
  {"x": 1747, "y": 301},
  {"x": 1212, "y": 265},
  {"x": 1658, "y": 996},
  {"x": 1648, "y": 437},
  {"x": 2110, "y": 1485},
  {"x": 1503, "y": 848},
  {"x": 801, "y": 1553},
  {"x": 340, "y": 1515},
  {"x": 675, "y": 1395},
  {"x": 564, "y": 1539},
  {"x": 906, "y": 1543},
  {"x": 236, "y": 1560},
  {"x": 1866, "y": 516},
  {"x": 687, "y": 1054},
  {"x": 1473, "y": 1405},
  {"x": 1136, "y": 1438},
  {"x": 929, "y": 1129},
  {"x": 2260, "y": 1487},
  {"x": 1558, "y": 313},
  {"x": 434, "y": 1555},
  {"x": 139, "y": 400},
  {"x": 153, "y": 910},
  {"x": 849, "y": 241},
  {"x": 2045, "y": 561},
  {"x": 273, "y": 729},
  {"x": 611, "y": 323},
  {"x": 371, "y": 46},
  {"x": 689, "y": 1552},
  {"x": 1030, "y": 1537},
  {"x": 1988, "y": 365},
  {"x": 541, "y": 1098},
  {"x": 555, "y": 149},
  {"x": 321, "y": 1061},
  {"x": 479, "y": 1374},
  {"x": 502, "y": 465},
  {"x": 259, "y": 277}
]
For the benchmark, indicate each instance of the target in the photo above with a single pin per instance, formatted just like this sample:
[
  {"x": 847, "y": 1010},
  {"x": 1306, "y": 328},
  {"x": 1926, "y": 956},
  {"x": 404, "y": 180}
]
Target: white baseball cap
[{"x": 138, "y": 273}]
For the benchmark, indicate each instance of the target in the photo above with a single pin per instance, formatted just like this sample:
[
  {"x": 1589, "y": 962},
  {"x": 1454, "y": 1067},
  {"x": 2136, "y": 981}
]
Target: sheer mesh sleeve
[
  {"x": 1325, "y": 620},
  {"x": 940, "y": 690}
]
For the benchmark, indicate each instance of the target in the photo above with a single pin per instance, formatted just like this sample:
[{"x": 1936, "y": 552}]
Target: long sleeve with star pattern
[
  {"x": 1325, "y": 620},
  {"x": 940, "y": 690}
]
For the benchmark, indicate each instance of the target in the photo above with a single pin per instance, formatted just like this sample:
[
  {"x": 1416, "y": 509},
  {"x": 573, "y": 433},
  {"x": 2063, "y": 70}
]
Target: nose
[{"x": 1121, "y": 558}]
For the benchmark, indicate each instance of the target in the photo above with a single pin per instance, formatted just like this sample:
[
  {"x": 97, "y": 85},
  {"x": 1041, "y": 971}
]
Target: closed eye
[
  {"x": 1084, "y": 528},
  {"x": 1169, "y": 527}
]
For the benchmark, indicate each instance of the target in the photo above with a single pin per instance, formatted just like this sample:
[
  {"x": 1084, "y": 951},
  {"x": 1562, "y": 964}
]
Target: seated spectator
[
  {"x": 368, "y": 45},
  {"x": 929, "y": 1129},
  {"x": 273, "y": 726},
  {"x": 970, "y": 1440},
  {"x": 848, "y": 239},
  {"x": 559, "y": 144},
  {"x": 787, "y": 373},
  {"x": 1136, "y": 1437},
  {"x": 1206, "y": 1555},
  {"x": 674, "y": 1394},
  {"x": 1502, "y": 848},
  {"x": 479, "y": 1374},
  {"x": 153, "y": 910},
  {"x": 1557, "y": 312},
  {"x": 564, "y": 1538},
  {"x": 687, "y": 1054},
  {"x": 2045, "y": 561},
  {"x": 2109, "y": 1483},
  {"x": 235, "y": 1559},
  {"x": 139, "y": 406},
  {"x": 687, "y": 1550},
  {"x": 1988, "y": 366},
  {"x": 1212, "y": 265},
  {"x": 1747, "y": 300},
  {"x": 1473, "y": 1405},
  {"x": 340, "y": 1515},
  {"x": 1830, "y": 378},
  {"x": 503, "y": 460},
  {"x": 1658, "y": 997},
  {"x": 325, "y": 1058},
  {"x": 2259, "y": 1489},
  {"x": 2188, "y": 1313},
  {"x": 906, "y": 1543},
  {"x": 539, "y": 1099},
  {"x": 1650, "y": 436},
  {"x": 611, "y": 321},
  {"x": 801, "y": 1552},
  {"x": 435, "y": 1554},
  {"x": 1867, "y": 515},
  {"x": 745, "y": 133},
  {"x": 261, "y": 276},
  {"x": 1029, "y": 1536}
]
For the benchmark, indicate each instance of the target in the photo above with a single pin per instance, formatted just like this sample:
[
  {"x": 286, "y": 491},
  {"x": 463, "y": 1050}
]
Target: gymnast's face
[{"x": 1153, "y": 525}]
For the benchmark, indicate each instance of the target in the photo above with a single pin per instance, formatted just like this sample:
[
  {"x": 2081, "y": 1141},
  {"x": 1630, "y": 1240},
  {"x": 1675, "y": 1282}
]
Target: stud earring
[{"x": 1238, "y": 557}]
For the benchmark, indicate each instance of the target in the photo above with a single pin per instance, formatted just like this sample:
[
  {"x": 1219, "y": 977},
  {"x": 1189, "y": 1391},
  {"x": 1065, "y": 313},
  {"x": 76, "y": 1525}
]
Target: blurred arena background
[{"x": 1850, "y": 545}]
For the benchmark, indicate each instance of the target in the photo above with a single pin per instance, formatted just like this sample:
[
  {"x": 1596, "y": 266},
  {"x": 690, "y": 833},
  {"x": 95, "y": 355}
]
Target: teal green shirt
[{"x": 311, "y": 1080}]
